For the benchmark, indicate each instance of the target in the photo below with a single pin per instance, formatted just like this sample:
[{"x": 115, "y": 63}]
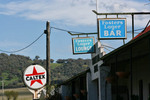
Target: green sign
[{"x": 83, "y": 45}]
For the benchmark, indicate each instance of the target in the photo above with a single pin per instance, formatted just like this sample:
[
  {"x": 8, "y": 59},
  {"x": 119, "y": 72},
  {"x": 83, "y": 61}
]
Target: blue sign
[
  {"x": 83, "y": 45},
  {"x": 112, "y": 28}
]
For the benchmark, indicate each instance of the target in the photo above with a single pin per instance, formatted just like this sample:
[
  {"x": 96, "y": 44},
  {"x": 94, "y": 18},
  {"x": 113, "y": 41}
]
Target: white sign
[{"x": 35, "y": 76}]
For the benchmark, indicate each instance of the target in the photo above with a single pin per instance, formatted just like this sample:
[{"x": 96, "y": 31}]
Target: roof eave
[
  {"x": 125, "y": 45},
  {"x": 74, "y": 77}
]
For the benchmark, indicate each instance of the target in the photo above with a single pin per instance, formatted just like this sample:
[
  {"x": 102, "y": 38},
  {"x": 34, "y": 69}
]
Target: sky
[{"x": 23, "y": 21}]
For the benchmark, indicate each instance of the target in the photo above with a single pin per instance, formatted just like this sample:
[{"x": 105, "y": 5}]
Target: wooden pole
[
  {"x": 2, "y": 89},
  {"x": 131, "y": 73},
  {"x": 132, "y": 26},
  {"x": 47, "y": 32}
]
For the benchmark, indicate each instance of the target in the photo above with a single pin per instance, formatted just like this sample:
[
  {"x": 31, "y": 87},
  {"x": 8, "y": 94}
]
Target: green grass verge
[{"x": 54, "y": 65}]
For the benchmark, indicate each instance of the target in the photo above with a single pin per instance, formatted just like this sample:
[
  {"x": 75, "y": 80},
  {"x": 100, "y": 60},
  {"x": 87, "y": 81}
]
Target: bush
[
  {"x": 11, "y": 94},
  {"x": 8, "y": 95}
]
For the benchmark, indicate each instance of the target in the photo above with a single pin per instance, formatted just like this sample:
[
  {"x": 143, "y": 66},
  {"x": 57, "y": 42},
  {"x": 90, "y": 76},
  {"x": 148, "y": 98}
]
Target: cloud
[
  {"x": 77, "y": 12},
  {"x": 10, "y": 44}
]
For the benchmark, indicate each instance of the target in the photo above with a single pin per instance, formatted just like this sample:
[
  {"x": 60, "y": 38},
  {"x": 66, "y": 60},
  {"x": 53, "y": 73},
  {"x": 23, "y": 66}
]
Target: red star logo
[{"x": 35, "y": 73}]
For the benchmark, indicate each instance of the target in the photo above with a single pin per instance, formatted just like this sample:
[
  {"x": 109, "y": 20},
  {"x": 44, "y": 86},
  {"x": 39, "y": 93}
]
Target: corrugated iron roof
[
  {"x": 74, "y": 77},
  {"x": 143, "y": 32}
]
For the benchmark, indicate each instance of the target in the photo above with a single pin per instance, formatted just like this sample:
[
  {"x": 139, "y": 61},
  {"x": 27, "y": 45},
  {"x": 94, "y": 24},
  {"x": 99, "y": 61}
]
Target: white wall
[
  {"x": 100, "y": 52},
  {"x": 103, "y": 89}
]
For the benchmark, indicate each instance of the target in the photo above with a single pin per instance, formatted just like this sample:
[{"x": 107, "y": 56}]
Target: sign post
[
  {"x": 83, "y": 45},
  {"x": 112, "y": 28},
  {"x": 35, "y": 77}
]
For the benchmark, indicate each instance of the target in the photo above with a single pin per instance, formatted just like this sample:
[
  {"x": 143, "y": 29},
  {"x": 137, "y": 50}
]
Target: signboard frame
[
  {"x": 31, "y": 73},
  {"x": 110, "y": 38},
  {"x": 83, "y": 38}
]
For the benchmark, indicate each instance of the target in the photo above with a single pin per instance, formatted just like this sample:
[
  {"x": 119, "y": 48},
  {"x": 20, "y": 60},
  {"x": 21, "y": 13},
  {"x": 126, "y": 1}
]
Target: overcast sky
[{"x": 22, "y": 21}]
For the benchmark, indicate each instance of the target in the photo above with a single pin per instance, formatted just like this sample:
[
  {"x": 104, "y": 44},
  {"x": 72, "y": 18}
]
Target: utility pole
[
  {"x": 97, "y": 3},
  {"x": 47, "y": 32},
  {"x": 2, "y": 90}
]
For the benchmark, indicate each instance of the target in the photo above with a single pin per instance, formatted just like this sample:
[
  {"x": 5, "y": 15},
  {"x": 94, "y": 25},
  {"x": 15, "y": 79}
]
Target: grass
[
  {"x": 24, "y": 94},
  {"x": 54, "y": 65}
]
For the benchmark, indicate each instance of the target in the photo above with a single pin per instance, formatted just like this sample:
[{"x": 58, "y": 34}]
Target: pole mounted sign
[
  {"x": 35, "y": 77},
  {"x": 83, "y": 45},
  {"x": 112, "y": 28}
]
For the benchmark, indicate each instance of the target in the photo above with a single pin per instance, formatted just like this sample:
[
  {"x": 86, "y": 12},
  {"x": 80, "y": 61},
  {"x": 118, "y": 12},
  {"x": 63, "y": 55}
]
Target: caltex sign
[
  {"x": 35, "y": 76},
  {"x": 112, "y": 28}
]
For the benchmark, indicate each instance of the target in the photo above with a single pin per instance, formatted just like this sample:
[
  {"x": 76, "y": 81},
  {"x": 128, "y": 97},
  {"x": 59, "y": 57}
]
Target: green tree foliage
[
  {"x": 36, "y": 57},
  {"x": 51, "y": 60},
  {"x": 69, "y": 68},
  {"x": 12, "y": 67}
]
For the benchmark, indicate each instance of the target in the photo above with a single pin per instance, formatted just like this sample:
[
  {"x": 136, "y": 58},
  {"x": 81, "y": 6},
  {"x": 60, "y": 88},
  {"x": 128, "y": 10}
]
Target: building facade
[{"x": 122, "y": 74}]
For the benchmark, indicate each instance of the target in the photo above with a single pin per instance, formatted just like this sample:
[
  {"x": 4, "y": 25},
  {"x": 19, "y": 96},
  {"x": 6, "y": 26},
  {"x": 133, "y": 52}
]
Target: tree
[
  {"x": 60, "y": 61},
  {"x": 51, "y": 60},
  {"x": 36, "y": 57},
  {"x": 12, "y": 67}
]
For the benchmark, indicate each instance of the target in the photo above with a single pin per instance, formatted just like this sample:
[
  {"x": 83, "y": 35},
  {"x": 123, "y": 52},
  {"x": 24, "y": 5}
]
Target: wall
[
  {"x": 92, "y": 88},
  {"x": 105, "y": 88},
  {"x": 99, "y": 52},
  {"x": 100, "y": 89},
  {"x": 141, "y": 71},
  {"x": 65, "y": 90}
]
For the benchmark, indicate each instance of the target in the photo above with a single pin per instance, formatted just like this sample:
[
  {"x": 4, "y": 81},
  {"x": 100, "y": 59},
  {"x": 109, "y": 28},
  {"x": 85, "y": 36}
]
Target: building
[
  {"x": 130, "y": 69},
  {"x": 122, "y": 74},
  {"x": 75, "y": 87}
]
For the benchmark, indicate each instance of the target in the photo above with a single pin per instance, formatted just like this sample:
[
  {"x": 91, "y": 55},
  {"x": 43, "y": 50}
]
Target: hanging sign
[
  {"x": 112, "y": 28},
  {"x": 83, "y": 45},
  {"x": 35, "y": 77}
]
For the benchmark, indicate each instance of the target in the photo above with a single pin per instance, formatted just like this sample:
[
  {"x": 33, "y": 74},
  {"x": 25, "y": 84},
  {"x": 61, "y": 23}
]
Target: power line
[
  {"x": 24, "y": 47},
  {"x": 84, "y": 32},
  {"x": 56, "y": 29},
  {"x": 108, "y": 46},
  {"x": 135, "y": 30},
  {"x": 65, "y": 30}
]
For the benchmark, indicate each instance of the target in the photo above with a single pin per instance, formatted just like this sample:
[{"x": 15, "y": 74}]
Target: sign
[
  {"x": 35, "y": 76},
  {"x": 112, "y": 28},
  {"x": 83, "y": 45}
]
